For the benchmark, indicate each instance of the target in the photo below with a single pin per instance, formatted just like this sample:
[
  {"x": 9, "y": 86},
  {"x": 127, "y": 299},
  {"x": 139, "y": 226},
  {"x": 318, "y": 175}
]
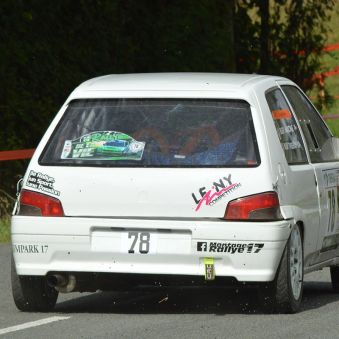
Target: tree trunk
[{"x": 264, "y": 37}]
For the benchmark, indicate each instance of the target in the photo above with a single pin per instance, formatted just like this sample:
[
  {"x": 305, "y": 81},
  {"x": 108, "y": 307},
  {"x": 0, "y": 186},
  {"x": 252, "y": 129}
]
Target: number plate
[{"x": 137, "y": 242}]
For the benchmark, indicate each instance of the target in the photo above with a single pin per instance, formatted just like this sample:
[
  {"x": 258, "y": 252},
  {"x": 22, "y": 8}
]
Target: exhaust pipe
[{"x": 62, "y": 283}]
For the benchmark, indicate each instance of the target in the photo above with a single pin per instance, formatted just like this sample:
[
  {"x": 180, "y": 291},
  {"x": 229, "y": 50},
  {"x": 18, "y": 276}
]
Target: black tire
[
  {"x": 335, "y": 279},
  {"x": 277, "y": 296},
  {"x": 31, "y": 293}
]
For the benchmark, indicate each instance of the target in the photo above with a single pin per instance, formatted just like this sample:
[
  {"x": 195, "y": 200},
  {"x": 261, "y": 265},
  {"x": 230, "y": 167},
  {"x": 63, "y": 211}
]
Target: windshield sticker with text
[
  {"x": 220, "y": 189},
  {"x": 104, "y": 145}
]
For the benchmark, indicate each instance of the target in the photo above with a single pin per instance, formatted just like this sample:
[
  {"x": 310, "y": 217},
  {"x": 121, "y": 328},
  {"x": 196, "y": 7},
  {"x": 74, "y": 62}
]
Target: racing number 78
[{"x": 144, "y": 241}]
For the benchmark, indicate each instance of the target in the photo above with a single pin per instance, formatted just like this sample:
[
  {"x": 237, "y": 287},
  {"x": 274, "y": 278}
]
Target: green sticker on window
[{"x": 103, "y": 145}]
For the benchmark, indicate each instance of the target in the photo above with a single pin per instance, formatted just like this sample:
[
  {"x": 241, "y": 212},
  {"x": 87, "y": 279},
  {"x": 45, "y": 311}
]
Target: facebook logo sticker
[{"x": 202, "y": 246}]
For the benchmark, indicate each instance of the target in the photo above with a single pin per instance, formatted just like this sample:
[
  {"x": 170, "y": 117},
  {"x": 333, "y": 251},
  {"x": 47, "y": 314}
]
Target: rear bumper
[{"x": 246, "y": 251}]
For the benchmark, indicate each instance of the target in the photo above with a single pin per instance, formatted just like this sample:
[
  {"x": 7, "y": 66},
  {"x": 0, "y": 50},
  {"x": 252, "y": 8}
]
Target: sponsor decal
[
  {"x": 331, "y": 178},
  {"x": 30, "y": 249},
  {"x": 231, "y": 248},
  {"x": 331, "y": 184},
  {"x": 41, "y": 182},
  {"x": 282, "y": 114},
  {"x": 219, "y": 190},
  {"x": 103, "y": 145}
]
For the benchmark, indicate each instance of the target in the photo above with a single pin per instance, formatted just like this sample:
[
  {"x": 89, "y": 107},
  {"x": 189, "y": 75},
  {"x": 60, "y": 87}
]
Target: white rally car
[{"x": 236, "y": 177}]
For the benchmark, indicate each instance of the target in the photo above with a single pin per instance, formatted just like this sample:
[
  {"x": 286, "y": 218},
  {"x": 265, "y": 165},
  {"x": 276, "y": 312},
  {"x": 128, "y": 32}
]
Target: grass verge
[
  {"x": 5, "y": 230},
  {"x": 6, "y": 207}
]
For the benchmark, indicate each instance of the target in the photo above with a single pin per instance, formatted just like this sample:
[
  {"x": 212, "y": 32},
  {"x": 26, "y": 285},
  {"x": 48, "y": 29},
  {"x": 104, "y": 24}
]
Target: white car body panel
[{"x": 169, "y": 190}]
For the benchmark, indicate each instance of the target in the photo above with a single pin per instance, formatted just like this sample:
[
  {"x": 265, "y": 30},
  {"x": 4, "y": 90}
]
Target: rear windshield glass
[{"x": 152, "y": 133}]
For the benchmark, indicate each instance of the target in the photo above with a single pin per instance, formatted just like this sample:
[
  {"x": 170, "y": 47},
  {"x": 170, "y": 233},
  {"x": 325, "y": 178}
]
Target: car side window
[
  {"x": 286, "y": 126},
  {"x": 317, "y": 135}
]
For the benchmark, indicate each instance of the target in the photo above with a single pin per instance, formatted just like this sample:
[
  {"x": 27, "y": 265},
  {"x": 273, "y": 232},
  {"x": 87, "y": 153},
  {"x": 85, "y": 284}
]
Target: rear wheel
[
  {"x": 284, "y": 293},
  {"x": 31, "y": 293}
]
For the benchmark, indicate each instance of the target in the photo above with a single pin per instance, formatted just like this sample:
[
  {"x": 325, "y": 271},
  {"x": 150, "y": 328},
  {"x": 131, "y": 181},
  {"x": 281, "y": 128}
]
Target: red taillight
[
  {"x": 263, "y": 206},
  {"x": 32, "y": 203}
]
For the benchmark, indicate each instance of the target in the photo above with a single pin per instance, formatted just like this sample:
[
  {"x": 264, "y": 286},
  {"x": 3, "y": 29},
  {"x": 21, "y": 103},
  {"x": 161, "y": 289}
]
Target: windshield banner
[{"x": 103, "y": 145}]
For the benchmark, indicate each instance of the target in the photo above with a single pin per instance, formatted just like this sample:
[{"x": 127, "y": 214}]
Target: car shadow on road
[
  {"x": 317, "y": 294},
  {"x": 188, "y": 300},
  {"x": 162, "y": 300}
]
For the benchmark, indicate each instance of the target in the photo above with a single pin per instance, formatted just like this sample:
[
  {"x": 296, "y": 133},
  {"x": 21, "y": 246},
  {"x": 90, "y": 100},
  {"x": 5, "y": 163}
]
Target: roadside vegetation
[
  {"x": 37, "y": 73},
  {"x": 300, "y": 42},
  {"x": 330, "y": 106},
  {"x": 280, "y": 37},
  {"x": 330, "y": 63},
  {"x": 5, "y": 230},
  {"x": 6, "y": 206}
]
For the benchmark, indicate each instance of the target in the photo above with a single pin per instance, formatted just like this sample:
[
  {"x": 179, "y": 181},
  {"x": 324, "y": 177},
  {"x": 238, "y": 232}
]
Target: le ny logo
[{"x": 219, "y": 189}]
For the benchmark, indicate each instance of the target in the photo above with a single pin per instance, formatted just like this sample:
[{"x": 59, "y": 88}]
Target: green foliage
[
  {"x": 50, "y": 47},
  {"x": 298, "y": 39},
  {"x": 246, "y": 33},
  {"x": 6, "y": 204},
  {"x": 6, "y": 207},
  {"x": 11, "y": 172},
  {"x": 5, "y": 230},
  {"x": 296, "y": 33}
]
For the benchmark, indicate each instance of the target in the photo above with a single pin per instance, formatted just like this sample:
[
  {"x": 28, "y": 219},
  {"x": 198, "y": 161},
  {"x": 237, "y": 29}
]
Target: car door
[
  {"x": 293, "y": 168},
  {"x": 323, "y": 158}
]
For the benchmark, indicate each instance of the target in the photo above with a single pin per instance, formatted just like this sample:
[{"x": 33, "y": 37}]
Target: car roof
[{"x": 172, "y": 81}]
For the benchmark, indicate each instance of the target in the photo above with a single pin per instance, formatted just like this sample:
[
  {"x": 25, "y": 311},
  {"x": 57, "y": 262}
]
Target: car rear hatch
[{"x": 170, "y": 158}]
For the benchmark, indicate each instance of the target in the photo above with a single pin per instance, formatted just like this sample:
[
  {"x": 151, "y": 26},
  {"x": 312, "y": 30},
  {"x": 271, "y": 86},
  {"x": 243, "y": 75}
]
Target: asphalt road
[{"x": 186, "y": 313}]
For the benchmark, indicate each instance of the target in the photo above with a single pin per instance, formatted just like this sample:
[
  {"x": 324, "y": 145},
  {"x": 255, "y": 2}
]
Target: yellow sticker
[{"x": 209, "y": 269}]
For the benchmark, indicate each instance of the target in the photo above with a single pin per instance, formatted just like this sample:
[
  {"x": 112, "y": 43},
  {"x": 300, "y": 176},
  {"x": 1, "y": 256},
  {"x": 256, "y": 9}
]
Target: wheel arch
[
  {"x": 302, "y": 229},
  {"x": 296, "y": 214}
]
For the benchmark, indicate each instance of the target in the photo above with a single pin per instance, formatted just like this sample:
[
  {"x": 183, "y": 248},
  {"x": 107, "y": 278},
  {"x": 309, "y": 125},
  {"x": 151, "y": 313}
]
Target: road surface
[{"x": 160, "y": 312}]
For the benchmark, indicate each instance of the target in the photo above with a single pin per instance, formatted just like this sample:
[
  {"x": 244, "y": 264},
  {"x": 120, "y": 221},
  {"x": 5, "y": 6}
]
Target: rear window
[{"x": 153, "y": 133}]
